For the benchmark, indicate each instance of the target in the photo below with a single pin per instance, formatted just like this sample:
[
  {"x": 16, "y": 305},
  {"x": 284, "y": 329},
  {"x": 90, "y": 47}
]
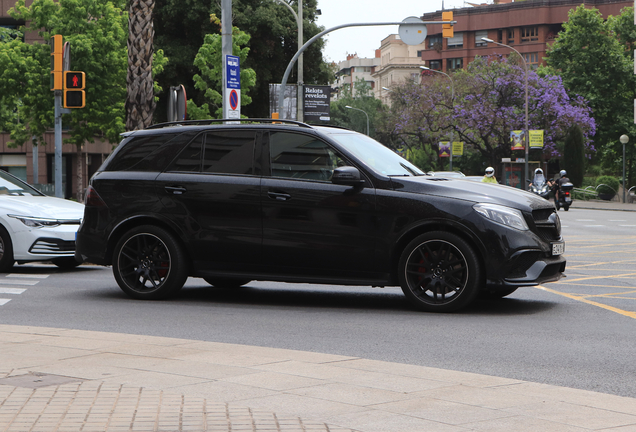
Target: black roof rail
[{"x": 214, "y": 121}]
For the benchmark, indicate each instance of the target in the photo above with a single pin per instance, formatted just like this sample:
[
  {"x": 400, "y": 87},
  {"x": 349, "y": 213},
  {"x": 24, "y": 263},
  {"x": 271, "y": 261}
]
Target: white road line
[
  {"x": 628, "y": 225},
  {"x": 27, "y": 276},
  {"x": 586, "y": 220},
  {"x": 12, "y": 290},
  {"x": 589, "y": 226},
  {"x": 22, "y": 282},
  {"x": 4, "y": 301},
  {"x": 617, "y": 220}
]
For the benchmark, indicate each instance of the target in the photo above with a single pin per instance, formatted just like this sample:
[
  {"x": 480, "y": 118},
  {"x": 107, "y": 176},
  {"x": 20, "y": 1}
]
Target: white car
[{"x": 36, "y": 227}]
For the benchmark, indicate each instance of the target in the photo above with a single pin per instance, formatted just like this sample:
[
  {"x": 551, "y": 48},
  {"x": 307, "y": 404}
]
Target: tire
[
  {"x": 149, "y": 263},
  {"x": 496, "y": 292},
  {"x": 439, "y": 272},
  {"x": 557, "y": 205},
  {"x": 6, "y": 251},
  {"x": 226, "y": 282},
  {"x": 66, "y": 263},
  {"x": 566, "y": 207}
]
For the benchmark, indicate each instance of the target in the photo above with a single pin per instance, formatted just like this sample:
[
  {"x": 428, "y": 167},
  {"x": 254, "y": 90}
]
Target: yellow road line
[
  {"x": 591, "y": 285},
  {"x": 593, "y": 303},
  {"x": 602, "y": 277}
]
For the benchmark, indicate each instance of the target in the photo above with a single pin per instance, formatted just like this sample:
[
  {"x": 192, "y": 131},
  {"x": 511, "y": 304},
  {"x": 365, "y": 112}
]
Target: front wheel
[
  {"x": 6, "y": 251},
  {"x": 149, "y": 263},
  {"x": 439, "y": 272}
]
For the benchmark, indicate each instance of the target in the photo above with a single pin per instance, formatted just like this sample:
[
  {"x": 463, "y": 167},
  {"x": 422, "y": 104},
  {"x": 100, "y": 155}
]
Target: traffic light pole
[{"x": 59, "y": 192}]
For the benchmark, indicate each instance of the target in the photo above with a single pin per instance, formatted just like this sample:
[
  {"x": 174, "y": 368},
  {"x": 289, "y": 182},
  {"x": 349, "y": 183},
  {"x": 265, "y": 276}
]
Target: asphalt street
[{"x": 576, "y": 333}]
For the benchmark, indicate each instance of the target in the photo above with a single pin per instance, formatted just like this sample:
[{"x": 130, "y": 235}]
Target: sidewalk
[
  {"x": 69, "y": 380},
  {"x": 604, "y": 205}
]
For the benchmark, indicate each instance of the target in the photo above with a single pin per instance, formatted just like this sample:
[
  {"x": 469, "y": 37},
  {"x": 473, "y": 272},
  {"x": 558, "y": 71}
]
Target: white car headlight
[
  {"x": 35, "y": 222},
  {"x": 502, "y": 215}
]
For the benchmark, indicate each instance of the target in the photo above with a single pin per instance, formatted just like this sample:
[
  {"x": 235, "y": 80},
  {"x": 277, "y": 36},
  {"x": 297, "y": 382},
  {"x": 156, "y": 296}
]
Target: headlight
[
  {"x": 502, "y": 215},
  {"x": 35, "y": 222}
]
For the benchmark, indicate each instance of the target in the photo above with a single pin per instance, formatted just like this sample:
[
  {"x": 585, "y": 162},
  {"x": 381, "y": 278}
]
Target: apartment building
[
  {"x": 398, "y": 61},
  {"x": 351, "y": 70},
  {"x": 528, "y": 26},
  {"x": 35, "y": 164}
]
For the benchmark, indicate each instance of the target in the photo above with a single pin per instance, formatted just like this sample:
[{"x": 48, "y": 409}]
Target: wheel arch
[
  {"x": 136, "y": 221},
  {"x": 452, "y": 227}
]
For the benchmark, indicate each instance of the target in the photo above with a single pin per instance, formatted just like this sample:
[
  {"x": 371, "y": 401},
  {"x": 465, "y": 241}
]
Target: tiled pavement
[{"x": 57, "y": 380}]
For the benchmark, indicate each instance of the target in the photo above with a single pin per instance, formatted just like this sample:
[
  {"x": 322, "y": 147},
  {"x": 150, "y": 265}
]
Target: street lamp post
[
  {"x": 452, "y": 109},
  {"x": 624, "y": 140},
  {"x": 526, "y": 135},
  {"x": 299, "y": 23},
  {"x": 365, "y": 113}
]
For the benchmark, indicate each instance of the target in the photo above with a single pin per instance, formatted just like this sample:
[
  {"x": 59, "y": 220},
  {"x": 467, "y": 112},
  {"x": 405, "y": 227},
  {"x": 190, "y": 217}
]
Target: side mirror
[{"x": 347, "y": 176}]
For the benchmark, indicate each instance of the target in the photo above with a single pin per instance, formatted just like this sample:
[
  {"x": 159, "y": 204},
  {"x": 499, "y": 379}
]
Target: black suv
[{"x": 285, "y": 201}]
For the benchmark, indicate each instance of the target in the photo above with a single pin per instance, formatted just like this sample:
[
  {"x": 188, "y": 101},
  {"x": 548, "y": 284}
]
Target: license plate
[
  {"x": 558, "y": 248},
  {"x": 568, "y": 199}
]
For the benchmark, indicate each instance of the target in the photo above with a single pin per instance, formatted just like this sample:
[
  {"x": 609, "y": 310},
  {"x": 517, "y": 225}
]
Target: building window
[
  {"x": 432, "y": 40},
  {"x": 454, "y": 63},
  {"x": 478, "y": 35},
  {"x": 419, "y": 54},
  {"x": 529, "y": 34},
  {"x": 532, "y": 60},
  {"x": 511, "y": 36},
  {"x": 457, "y": 41},
  {"x": 435, "y": 64}
]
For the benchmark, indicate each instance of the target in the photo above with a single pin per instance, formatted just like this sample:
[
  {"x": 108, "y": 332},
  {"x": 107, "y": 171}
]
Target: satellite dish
[{"x": 412, "y": 34}]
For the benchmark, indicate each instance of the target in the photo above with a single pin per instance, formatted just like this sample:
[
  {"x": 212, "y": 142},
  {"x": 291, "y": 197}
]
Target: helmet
[
  {"x": 490, "y": 171},
  {"x": 538, "y": 171},
  {"x": 563, "y": 173}
]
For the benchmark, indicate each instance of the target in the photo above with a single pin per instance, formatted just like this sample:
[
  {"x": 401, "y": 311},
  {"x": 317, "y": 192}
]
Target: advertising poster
[
  {"x": 458, "y": 148},
  {"x": 444, "y": 149},
  {"x": 536, "y": 138},
  {"x": 516, "y": 140},
  {"x": 317, "y": 103}
]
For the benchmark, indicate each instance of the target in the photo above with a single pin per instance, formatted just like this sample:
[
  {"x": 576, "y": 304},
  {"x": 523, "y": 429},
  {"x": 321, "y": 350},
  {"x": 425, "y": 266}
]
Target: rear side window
[
  {"x": 149, "y": 153},
  {"x": 219, "y": 152}
]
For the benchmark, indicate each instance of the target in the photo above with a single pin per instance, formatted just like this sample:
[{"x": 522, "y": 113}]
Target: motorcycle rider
[
  {"x": 489, "y": 177},
  {"x": 557, "y": 184},
  {"x": 539, "y": 179}
]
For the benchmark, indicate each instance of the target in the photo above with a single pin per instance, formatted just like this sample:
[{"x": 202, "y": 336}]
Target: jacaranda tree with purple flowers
[{"x": 489, "y": 103}]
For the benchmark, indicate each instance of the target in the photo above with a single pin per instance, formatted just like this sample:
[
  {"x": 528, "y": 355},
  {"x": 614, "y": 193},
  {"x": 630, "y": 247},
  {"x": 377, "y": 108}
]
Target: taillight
[{"x": 93, "y": 199}]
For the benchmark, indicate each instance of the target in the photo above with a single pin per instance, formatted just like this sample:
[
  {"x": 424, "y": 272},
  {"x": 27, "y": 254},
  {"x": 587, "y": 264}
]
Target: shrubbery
[{"x": 607, "y": 185}]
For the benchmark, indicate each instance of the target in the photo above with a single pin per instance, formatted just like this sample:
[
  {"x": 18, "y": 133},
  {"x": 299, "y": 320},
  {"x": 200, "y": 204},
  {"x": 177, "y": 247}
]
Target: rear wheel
[
  {"x": 226, "y": 282},
  {"x": 566, "y": 207},
  {"x": 439, "y": 272},
  {"x": 149, "y": 263}
]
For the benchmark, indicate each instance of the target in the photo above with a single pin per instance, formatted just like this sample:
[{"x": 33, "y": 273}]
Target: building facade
[
  {"x": 36, "y": 164},
  {"x": 528, "y": 26},
  {"x": 398, "y": 62},
  {"x": 351, "y": 70}
]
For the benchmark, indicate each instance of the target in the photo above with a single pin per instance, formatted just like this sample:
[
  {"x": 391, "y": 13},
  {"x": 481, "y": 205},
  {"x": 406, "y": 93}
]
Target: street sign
[
  {"x": 412, "y": 34},
  {"x": 232, "y": 87}
]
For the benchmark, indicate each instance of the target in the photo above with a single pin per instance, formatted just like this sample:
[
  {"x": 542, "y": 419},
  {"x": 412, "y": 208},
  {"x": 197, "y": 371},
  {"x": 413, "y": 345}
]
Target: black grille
[
  {"x": 547, "y": 224},
  {"x": 522, "y": 263}
]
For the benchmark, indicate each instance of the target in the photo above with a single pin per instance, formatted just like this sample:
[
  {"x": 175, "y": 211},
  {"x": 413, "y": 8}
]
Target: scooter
[
  {"x": 565, "y": 196},
  {"x": 540, "y": 187}
]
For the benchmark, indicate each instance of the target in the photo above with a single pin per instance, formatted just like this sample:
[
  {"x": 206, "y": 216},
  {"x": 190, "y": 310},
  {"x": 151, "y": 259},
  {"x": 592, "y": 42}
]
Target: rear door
[{"x": 212, "y": 190}]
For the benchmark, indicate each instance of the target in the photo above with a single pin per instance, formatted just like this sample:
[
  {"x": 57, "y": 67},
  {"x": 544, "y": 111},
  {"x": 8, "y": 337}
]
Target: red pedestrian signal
[{"x": 74, "y": 84}]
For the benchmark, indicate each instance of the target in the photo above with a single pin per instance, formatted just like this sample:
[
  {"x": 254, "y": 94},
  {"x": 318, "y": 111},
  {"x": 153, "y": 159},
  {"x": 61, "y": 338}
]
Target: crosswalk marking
[
  {"x": 27, "y": 276},
  {"x": 12, "y": 290},
  {"x": 19, "y": 282},
  {"x": 4, "y": 301}
]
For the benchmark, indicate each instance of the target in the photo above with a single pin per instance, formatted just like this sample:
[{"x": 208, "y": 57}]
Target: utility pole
[{"x": 226, "y": 47}]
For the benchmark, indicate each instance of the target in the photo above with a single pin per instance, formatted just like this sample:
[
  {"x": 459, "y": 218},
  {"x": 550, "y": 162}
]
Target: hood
[
  {"x": 476, "y": 192},
  {"x": 41, "y": 206}
]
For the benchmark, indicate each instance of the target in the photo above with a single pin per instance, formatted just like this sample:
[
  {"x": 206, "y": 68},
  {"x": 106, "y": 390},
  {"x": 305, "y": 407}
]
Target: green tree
[
  {"x": 352, "y": 118},
  {"x": 208, "y": 61},
  {"x": 574, "y": 155},
  {"x": 590, "y": 56},
  {"x": 181, "y": 26}
]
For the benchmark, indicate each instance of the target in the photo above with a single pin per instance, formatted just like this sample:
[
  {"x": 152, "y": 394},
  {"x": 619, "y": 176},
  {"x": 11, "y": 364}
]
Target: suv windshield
[{"x": 376, "y": 156}]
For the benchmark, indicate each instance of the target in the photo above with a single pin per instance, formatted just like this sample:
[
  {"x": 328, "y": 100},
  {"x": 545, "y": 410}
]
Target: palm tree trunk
[{"x": 140, "y": 103}]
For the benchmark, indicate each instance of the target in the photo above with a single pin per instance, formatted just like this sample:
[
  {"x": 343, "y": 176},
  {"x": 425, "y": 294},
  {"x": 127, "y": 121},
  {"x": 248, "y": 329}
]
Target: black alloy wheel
[
  {"x": 439, "y": 272},
  {"x": 149, "y": 263},
  {"x": 6, "y": 251}
]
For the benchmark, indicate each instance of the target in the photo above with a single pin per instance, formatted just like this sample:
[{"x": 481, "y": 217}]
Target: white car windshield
[
  {"x": 374, "y": 155},
  {"x": 10, "y": 185}
]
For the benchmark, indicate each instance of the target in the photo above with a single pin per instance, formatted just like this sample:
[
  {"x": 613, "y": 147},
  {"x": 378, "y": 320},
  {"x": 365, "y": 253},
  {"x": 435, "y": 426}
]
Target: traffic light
[
  {"x": 447, "y": 29},
  {"x": 74, "y": 83},
  {"x": 57, "y": 54}
]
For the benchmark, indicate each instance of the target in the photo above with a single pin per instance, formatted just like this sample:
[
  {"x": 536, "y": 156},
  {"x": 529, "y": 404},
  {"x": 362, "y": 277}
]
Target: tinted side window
[
  {"x": 149, "y": 153},
  {"x": 302, "y": 156},
  {"x": 189, "y": 160},
  {"x": 229, "y": 152}
]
